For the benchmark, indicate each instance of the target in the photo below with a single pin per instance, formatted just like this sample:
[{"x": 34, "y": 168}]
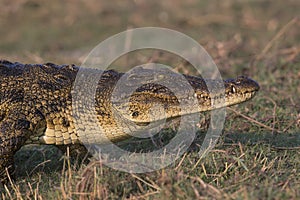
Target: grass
[{"x": 257, "y": 156}]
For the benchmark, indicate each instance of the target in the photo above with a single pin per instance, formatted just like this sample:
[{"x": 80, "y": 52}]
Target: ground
[{"x": 257, "y": 156}]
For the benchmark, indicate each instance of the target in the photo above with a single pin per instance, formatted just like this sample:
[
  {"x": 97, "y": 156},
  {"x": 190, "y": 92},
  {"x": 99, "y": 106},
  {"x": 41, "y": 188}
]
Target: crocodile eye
[
  {"x": 233, "y": 90},
  {"x": 135, "y": 114}
]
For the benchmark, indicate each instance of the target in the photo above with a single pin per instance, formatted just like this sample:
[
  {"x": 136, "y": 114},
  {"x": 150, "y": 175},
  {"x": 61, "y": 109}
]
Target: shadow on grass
[
  {"x": 37, "y": 158},
  {"x": 34, "y": 159},
  {"x": 284, "y": 141},
  {"x": 46, "y": 159}
]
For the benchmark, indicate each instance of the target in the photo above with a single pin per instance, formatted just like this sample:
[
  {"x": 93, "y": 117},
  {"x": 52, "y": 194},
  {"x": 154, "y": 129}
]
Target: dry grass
[{"x": 258, "y": 154}]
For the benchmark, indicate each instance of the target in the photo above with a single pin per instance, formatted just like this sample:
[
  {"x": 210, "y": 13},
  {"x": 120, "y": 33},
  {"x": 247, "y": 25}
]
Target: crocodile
[{"x": 36, "y": 105}]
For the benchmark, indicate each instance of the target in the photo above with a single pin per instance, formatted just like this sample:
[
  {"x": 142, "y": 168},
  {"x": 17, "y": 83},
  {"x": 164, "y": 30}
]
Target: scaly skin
[{"x": 36, "y": 106}]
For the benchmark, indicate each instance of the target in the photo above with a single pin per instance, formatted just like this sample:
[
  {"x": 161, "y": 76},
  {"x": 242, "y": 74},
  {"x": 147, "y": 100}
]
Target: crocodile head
[{"x": 154, "y": 102}]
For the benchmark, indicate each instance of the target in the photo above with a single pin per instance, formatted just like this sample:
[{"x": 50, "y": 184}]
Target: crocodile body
[{"x": 36, "y": 105}]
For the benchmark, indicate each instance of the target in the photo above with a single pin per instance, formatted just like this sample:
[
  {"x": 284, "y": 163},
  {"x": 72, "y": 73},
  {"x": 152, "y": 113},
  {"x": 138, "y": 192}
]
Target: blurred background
[
  {"x": 257, "y": 38},
  {"x": 236, "y": 33}
]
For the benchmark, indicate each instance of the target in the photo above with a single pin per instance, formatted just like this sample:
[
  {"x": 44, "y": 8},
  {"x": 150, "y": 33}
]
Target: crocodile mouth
[
  {"x": 240, "y": 97},
  {"x": 147, "y": 106}
]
